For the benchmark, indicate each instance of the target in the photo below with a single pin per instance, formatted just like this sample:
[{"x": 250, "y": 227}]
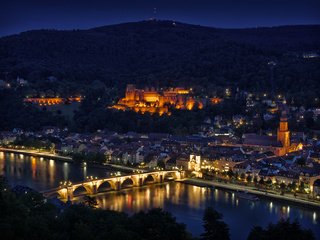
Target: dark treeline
[
  {"x": 94, "y": 114},
  {"x": 25, "y": 214},
  {"x": 160, "y": 53},
  {"x": 15, "y": 114},
  {"x": 99, "y": 62}
]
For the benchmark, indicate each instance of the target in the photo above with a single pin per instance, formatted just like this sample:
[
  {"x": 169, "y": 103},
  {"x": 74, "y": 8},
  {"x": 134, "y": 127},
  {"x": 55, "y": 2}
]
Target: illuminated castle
[
  {"x": 51, "y": 101},
  {"x": 154, "y": 101},
  {"x": 279, "y": 145}
]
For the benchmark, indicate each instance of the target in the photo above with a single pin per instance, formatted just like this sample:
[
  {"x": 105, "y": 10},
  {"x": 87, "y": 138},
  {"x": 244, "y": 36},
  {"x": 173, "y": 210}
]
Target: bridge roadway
[{"x": 93, "y": 186}]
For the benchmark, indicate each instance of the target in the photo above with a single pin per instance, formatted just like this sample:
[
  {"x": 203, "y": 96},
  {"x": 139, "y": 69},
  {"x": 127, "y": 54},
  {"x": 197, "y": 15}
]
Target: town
[
  {"x": 280, "y": 160},
  {"x": 176, "y": 120}
]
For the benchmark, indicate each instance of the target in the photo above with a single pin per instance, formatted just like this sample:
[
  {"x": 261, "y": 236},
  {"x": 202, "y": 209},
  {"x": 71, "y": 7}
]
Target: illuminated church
[{"x": 279, "y": 145}]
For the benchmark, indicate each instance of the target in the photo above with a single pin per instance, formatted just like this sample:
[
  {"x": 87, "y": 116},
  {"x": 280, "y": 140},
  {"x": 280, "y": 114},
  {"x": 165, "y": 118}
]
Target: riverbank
[
  {"x": 35, "y": 153},
  {"x": 48, "y": 155},
  {"x": 262, "y": 194},
  {"x": 193, "y": 181}
]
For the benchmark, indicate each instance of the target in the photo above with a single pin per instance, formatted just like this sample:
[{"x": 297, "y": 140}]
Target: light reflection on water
[
  {"x": 186, "y": 202},
  {"x": 40, "y": 173}
]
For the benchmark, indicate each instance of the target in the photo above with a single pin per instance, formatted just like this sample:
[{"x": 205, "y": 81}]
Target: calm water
[
  {"x": 185, "y": 202},
  {"x": 42, "y": 174}
]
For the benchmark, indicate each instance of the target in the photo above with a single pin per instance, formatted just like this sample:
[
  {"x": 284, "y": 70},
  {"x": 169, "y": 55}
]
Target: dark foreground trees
[
  {"x": 25, "y": 214},
  {"x": 214, "y": 227},
  {"x": 284, "y": 230}
]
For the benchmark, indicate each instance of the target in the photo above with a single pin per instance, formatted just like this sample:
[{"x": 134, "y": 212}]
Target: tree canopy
[
  {"x": 214, "y": 227},
  {"x": 284, "y": 230}
]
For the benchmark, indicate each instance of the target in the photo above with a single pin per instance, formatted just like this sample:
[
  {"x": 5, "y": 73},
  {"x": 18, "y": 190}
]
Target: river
[{"x": 185, "y": 202}]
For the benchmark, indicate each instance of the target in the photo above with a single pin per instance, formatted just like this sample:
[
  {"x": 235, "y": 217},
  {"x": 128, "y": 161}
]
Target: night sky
[{"x": 21, "y": 15}]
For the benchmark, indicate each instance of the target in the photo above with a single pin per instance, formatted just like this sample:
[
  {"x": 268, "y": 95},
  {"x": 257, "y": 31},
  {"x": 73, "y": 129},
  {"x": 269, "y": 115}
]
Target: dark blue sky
[{"x": 22, "y": 15}]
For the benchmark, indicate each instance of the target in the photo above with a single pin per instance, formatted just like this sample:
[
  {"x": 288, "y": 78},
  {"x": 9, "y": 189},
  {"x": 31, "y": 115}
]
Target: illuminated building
[
  {"x": 51, "y": 101},
  {"x": 216, "y": 100},
  {"x": 194, "y": 163},
  {"x": 155, "y": 101},
  {"x": 279, "y": 145},
  {"x": 283, "y": 134}
]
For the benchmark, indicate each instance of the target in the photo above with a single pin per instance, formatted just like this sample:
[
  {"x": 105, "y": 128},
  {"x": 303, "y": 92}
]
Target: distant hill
[{"x": 164, "y": 53}]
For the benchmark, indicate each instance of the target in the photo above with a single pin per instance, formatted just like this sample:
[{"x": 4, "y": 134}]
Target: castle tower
[
  {"x": 283, "y": 134},
  {"x": 130, "y": 92}
]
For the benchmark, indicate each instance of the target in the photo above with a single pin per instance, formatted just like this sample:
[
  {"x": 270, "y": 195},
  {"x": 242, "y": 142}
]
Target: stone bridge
[{"x": 94, "y": 186}]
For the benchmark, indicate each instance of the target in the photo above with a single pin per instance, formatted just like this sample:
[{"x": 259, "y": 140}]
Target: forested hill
[{"x": 164, "y": 53}]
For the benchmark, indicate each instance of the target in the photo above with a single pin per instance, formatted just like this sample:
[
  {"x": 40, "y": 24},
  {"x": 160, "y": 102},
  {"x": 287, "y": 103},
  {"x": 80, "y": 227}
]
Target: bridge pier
[
  {"x": 161, "y": 178},
  {"x": 94, "y": 189},
  {"x": 118, "y": 185},
  {"x": 70, "y": 193}
]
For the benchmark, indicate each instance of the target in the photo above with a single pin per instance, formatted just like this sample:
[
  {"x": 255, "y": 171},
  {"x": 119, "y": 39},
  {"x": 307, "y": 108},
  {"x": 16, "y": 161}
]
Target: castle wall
[{"x": 149, "y": 100}]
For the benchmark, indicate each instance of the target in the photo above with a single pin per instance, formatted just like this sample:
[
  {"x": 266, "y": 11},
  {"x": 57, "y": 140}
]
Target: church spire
[{"x": 283, "y": 135}]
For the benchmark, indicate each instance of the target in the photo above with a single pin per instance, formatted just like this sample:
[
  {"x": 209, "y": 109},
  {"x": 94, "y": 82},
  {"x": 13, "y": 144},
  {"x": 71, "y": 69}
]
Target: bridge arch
[
  {"x": 82, "y": 190},
  {"x": 106, "y": 186},
  {"x": 149, "y": 179},
  {"x": 128, "y": 182},
  {"x": 58, "y": 194},
  {"x": 170, "y": 176}
]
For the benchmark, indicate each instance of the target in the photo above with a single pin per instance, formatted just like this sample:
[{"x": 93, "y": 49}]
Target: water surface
[{"x": 185, "y": 202}]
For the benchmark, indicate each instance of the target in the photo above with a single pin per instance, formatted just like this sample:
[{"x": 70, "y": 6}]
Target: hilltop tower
[
  {"x": 283, "y": 134},
  {"x": 130, "y": 92}
]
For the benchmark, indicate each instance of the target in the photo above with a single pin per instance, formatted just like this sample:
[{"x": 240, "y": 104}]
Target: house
[
  {"x": 129, "y": 156},
  {"x": 4, "y": 84},
  {"x": 50, "y": 130},
  {"x": 243, "y": 167},
  {"x": 316, "y": 188},
  {"x": 151, "y": 160},
  {"x": 18, "y": 131},
  {"x": 287, "y": 177},
  {"x": 116, "y": 156},
  {"x": 81, "y": 148},
  {"x": 309, "y": 175},
  {"x": 315, "y": 156},
  {"x": 7, "y": 138},
  {"x": 67, "y": 148},
  {"x": 171, "y": 163},
  {"x": 182, "y": 162},
  {"x": 140, "y": 154},
  {"x": 268, "y": 116},
  {"x": 21, "y": 82}
]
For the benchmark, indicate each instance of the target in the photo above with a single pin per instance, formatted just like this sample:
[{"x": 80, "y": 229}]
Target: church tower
[{"x": 283, "y": 134}]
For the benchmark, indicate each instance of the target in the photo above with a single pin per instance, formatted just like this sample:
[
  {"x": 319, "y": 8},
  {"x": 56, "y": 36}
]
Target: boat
[{"x": 247, "y": 196}]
